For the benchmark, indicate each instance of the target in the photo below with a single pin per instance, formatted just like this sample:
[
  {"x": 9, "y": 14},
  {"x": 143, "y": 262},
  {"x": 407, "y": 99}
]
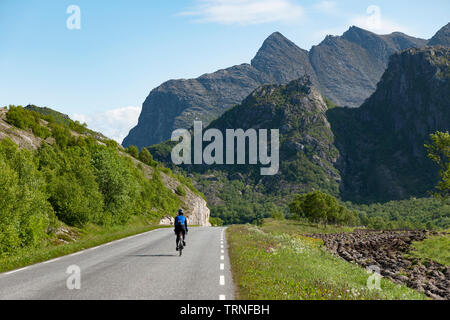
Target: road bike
[{"x": 180, "y": 242}]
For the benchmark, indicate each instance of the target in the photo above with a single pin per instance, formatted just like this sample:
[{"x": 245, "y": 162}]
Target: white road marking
[
  {"x": 222, "y": 266},
  {"x": 14, "y": 271},
  {"x": 75, "y": 254},
  {"x": 221, "y": 251},
  {"x": 221, "y": 246},
  {"x": 222, "y": 280},
  {"x": 222, "y": 297},
  {"x": 53, "y": 260},
  {"x": 222, "y": 257}
]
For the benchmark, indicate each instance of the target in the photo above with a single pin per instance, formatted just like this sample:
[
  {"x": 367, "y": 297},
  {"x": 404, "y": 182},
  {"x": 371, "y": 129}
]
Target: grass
[
  {"x": 434, "y": 248},
  {"x": 294, "y": 227},
  {"x": 270, "y": 264},
  {"x": 88, "y": 237}
]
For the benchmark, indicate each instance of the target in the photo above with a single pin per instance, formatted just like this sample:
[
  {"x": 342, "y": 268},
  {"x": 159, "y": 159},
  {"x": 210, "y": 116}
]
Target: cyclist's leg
[
  {"x": 184, "y": 236},
  {"x": 176, "y": 239}
]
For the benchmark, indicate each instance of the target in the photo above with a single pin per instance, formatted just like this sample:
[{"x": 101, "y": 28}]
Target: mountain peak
[
  {"x": 442, "y": 37},
  {"x": 276, "y": 41},
  {"x": 281, "y": 59}
]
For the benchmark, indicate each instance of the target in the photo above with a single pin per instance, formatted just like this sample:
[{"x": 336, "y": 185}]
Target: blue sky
[{"x": 103, "y": 72}]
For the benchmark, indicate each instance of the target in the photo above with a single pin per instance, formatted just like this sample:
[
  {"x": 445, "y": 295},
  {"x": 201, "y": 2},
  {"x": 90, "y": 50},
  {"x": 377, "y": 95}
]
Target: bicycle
[{"x": 180, "y": 242}]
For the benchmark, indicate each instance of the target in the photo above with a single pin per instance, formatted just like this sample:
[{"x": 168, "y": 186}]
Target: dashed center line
[
  {"x": 222, "y": 297},
  {"x": 222, "y": 258},
  {"x": 222, "y": 280},
  {"x": 222, "y": 266}
]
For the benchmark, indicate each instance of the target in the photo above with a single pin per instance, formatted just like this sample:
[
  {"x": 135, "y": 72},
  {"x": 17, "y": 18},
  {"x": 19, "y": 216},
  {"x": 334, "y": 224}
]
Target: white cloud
[
  {"x": 245, "y": 12},
  {"x": 114, "y": 124},
  {"x": 326, "y": 6},
  {"x": 375, "y": 22}
]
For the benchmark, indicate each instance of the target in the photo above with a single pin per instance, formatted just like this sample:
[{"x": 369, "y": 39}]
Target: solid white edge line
[
  {"x": 76, "y": 253},
  {"x": 17, "y": 270},
  {"x": 222, "y": 280},
  {"x": 53, "y": 260}
]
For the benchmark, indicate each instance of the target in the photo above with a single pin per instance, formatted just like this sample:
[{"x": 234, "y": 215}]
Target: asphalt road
[{"x": 144, "y": 266}]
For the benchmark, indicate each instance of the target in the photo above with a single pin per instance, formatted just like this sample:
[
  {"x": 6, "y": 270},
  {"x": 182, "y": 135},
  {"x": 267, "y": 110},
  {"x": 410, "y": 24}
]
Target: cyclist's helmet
[{"x": 180, "y": 212}]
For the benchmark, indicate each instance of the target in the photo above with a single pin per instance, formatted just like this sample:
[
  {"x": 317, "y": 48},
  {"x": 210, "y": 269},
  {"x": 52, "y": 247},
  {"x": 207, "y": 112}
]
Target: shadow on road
[{"x": 154, "y": 255}]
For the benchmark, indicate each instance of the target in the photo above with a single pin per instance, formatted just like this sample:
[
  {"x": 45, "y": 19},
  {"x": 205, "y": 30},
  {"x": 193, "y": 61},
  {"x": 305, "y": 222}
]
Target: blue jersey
[{"x": 181, "y": 222}]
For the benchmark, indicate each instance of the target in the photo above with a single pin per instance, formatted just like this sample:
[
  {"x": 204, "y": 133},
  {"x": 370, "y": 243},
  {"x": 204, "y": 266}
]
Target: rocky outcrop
[
  {"x": 346, "y": 69},
  {"x": 195, "y": 207},
  {"x": 382, "y": 143},
  {"x": 23, "y": 138},
  {"x": 388, "y": 250}
]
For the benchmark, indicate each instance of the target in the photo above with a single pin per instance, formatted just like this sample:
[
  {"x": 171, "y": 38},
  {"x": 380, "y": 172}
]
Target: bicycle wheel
[{"x": 180, "y": 246}]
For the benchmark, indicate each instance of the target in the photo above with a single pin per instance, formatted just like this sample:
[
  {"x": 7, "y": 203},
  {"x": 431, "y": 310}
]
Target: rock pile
[{"x": 388, "y": 251}]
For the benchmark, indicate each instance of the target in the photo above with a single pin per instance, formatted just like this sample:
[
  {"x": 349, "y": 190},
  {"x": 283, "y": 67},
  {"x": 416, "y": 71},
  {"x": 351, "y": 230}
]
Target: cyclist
[{"x": 181, "y": 225}]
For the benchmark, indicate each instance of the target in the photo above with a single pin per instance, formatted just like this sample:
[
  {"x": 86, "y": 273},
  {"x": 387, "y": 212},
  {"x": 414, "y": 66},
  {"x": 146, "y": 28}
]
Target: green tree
[
  {"x": 322, "y": 208},
  {"x": 25, "y": 214},
  {"x": 133, "y": 151},
  {"x": 115, "y": 179},
  {"x": 439, "y": 152}
]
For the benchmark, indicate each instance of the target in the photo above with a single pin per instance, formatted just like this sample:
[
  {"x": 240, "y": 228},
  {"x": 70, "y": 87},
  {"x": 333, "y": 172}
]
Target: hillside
[
  {"x": 374, "y": 153},
  {"x": 345, "y": 69},
  {"x": 59, "y": 174}
]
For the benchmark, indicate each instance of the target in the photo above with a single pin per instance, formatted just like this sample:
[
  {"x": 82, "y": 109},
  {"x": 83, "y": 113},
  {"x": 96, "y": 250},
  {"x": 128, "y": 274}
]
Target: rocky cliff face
[
  {"x": 346, "y": 69},
  {"x": 195, "y": 207},
  {"x": 382, "y": 143},
  {"x": 349, "y": 67}
]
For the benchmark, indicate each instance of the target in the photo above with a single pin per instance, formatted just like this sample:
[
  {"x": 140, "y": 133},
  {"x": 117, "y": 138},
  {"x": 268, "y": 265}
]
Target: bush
[
  {"x": 116, "y": 184},
  {"x": 133, "y": 151},
  {"x": 25, "y": 120},
  {"x": 180, "y": 191},
  {"x": 320, "y": 207},
  {"x": 215, "y": 222},
  {"x": 72, "y": 186},
  {"x": 146, "y": 157}
]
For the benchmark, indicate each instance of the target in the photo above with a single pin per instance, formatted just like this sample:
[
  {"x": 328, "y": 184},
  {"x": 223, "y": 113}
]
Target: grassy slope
[
  {"x": 269, "y": 263},
  {"x": 88, "y": 237},
  {"x": 435, "y": 248}
]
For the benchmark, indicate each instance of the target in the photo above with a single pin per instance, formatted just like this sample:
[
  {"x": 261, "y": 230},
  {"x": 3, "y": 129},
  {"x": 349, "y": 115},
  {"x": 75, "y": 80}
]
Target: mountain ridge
[{"x": 340, "y": 67}]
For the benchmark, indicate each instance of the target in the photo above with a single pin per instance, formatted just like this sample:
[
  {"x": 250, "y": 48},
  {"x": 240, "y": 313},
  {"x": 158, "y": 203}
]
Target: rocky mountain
[
  {"x": 349, "y": 67},
  {"x": 442, "y": 37},
  {"x": 372, "y": 153},
  {"x": 345, "y": 69},
  {"x": 382, "y": 143}
]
